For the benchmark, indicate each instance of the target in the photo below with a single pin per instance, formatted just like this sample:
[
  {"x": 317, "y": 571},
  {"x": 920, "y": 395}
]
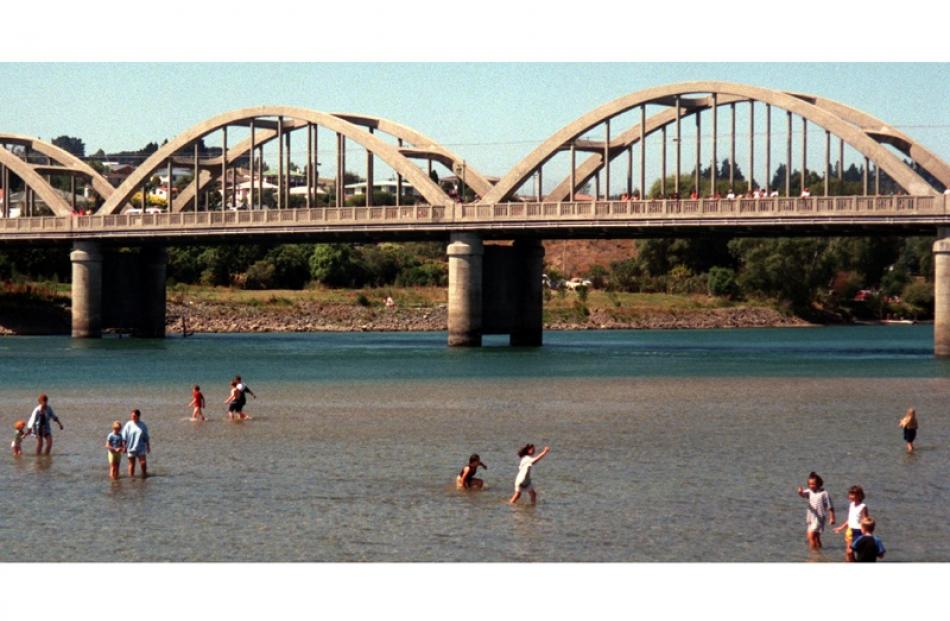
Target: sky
[{"x": 490, "y": 113}]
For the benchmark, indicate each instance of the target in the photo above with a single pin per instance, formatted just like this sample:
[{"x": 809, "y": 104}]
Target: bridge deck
[{"x": 650, "y": 218}]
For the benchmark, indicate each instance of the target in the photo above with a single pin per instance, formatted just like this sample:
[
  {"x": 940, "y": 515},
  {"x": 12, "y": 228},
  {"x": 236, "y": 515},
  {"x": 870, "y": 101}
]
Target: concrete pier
[
  {"x": 465, "y": 290},
  {"x": 941, "y": 250},
  {"x": 86, "y": 290},
  {"x": 528, "y": 323},
  {"x": 150, "y": 315}
]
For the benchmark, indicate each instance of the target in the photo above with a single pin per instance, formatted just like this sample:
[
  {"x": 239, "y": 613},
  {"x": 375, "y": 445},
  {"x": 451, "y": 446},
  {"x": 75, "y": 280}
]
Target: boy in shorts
[
  {"x": 114, "y": 447},
  {"x": 867, "y": 548}
]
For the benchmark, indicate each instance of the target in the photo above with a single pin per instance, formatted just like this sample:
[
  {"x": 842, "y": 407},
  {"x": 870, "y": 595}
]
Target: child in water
[
  {"x": 867, "y": 548},
  {"x": 466, "y": 478},
  {"x": 114, "y": 447},
  {"x": 909, "y": 425},
  {"x": 198, "y": 403},
  {"x": 523, "y": 480},
  {"x": 857, "y": 511},
  {"x": 819, "y": 507},
  {"x": 17, "y": 444}
]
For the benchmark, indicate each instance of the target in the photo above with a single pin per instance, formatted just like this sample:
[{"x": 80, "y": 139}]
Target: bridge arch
[
  {"x": 390, "y": 154},
  {"x": 61, "y": 162},
  {"x": 902, "y": 174},
  {"x": 418, "y": 146}
]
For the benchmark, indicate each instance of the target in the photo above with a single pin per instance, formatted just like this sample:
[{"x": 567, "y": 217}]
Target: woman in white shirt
[{"x": 523, "y": 481}]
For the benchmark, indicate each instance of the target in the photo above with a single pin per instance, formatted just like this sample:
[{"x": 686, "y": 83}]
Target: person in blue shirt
[
  {"x": 867, "y": 548},
  {"x": 39, "y": 424},
  {"x": 137, "y": 443},
  {"x": 114, "y": 447}
]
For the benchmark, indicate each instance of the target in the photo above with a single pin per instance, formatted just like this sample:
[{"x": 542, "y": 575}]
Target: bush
[
  {"x": 260, "y": 275},
  {"x": 291, "y": 266},
  {"x": 336, "y": 265},
  {"x": 678, "y": 280},
  {"x": 919, "y": 296},
  {"x": 362, "y": 300},
  {"x": 598, "y": 274},
  {"x": 581, "y": 293},
  {"x": 626, "y": 275},
  {"x": 721, "y": 281},
  {"x": 428, "y": 274}
]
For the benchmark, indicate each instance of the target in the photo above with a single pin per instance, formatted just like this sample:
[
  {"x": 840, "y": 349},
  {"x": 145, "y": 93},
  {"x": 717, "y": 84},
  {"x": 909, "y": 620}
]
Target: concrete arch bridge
[{"x": 496, "y": 289}]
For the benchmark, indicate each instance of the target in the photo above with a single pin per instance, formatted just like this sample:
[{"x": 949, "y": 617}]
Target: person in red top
[{"x": 198, "y": 403}]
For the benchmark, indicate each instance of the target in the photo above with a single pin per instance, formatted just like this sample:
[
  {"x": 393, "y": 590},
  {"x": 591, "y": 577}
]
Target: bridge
[{"x": 492, "y": 288}]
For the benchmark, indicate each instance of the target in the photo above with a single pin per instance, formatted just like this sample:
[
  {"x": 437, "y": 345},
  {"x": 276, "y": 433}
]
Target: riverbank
[
  {"x": 221, "y": 310},
  {"x": 43, "y": 308}
]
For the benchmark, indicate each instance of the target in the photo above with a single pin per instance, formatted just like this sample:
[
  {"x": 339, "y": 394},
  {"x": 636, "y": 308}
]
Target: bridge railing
[
  {"x": 698, "y": 208},
  {"x": 406, "y": 215}
]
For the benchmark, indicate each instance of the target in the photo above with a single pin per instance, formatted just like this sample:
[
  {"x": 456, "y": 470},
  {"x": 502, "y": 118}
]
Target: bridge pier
[
  {"x": 941, "y": 250},
  {"x": 86, "y": 260},
  {"x": 495, "y": 289},
  {"x": 123, "y": 290},
  {"x": 528, "y": 268},
  {"x": 465, "y": 290},
  {"x": 150, "y": 320}
]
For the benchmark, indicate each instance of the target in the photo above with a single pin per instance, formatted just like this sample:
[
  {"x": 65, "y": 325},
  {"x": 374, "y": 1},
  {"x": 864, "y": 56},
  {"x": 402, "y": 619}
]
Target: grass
[{"x": 415, "y": 297}]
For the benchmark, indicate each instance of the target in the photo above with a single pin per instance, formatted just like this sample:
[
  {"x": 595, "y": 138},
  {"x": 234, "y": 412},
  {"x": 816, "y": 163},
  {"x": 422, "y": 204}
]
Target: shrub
[
  {"x": 260, "y": 275},
  {"x": 919, "y": 296},
  {"x": 626, "y": 275},
  {"x": 362, "y": 300},
  {"x": 598, "y": 274},
  {"x": 721, "y": 281},
  {"x": 291, "y": 266},
  {"x": 336, "y": 265}
]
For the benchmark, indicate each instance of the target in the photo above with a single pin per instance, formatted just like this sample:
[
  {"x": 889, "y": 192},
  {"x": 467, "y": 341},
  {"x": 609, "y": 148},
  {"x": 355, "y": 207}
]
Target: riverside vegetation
[{"x": 667, "y": 283}]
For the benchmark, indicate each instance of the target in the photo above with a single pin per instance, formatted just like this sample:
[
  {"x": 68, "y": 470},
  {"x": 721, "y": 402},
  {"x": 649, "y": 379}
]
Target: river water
[{"x": 666, "y": 446}]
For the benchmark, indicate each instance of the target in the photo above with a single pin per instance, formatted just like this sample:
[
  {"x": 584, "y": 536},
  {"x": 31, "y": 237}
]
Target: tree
[
  {"x": 336, "y": 265},
  {"x": 722, "y": 282},
  {"x": 74, "y": 145}
]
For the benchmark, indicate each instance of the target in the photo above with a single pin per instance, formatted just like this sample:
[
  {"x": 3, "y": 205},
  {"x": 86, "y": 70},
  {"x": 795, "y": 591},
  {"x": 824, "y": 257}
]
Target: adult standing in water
[
  {"x": 39, "y": 424},
  {"x": 137, "y": 443},
  {"x": 243, "y": 390}
]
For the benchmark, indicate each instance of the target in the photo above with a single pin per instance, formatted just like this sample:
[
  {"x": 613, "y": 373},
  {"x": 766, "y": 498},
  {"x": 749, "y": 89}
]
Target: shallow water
[{"x": 666, "y": 446}]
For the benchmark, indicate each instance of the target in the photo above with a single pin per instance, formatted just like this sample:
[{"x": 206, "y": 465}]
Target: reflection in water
[{"x": 661, "y": 443}]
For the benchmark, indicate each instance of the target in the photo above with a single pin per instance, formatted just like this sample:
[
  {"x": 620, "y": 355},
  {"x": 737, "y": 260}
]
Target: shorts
[
  {"x": 43, "y": 432},
  {"x": 815, "y": 525},
  {"x": 114, "y": 457},
  {"x": 235, "y": 406},
  {"x": 909, "y": 434},
  {"x": 140, "y": 456},
  {"x": 524, "y": 487},
  {"x": 850, "y": 534}
]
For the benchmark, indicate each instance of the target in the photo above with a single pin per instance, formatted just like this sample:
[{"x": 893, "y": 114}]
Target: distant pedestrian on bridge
[{"x": 39, "y": 424}]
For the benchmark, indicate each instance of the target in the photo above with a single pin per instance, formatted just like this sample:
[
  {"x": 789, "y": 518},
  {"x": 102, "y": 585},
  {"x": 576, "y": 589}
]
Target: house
[{"x": 389, "y": 186}]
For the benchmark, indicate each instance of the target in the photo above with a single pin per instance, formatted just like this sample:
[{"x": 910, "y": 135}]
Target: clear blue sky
[{"x": 491, "y": 113}]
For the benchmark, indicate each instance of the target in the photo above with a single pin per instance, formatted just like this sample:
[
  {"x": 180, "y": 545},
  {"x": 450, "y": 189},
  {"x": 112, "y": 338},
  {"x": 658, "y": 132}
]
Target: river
[{"x": 665, "y": 446}]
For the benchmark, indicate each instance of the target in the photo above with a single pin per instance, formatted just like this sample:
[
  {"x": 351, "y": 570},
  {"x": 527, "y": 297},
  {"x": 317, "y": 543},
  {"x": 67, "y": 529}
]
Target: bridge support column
[
  {"x": 465, "y": 290},
  {"x": 941, "y": 250},
  {"x": 528, "y": 324},
  {"x": 86, "y": 290},
  {"x": 150, "y": 320}
]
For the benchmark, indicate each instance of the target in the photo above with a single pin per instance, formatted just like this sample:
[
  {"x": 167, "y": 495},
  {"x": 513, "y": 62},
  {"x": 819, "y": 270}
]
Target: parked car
[{"x": 575, "y": 283}]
